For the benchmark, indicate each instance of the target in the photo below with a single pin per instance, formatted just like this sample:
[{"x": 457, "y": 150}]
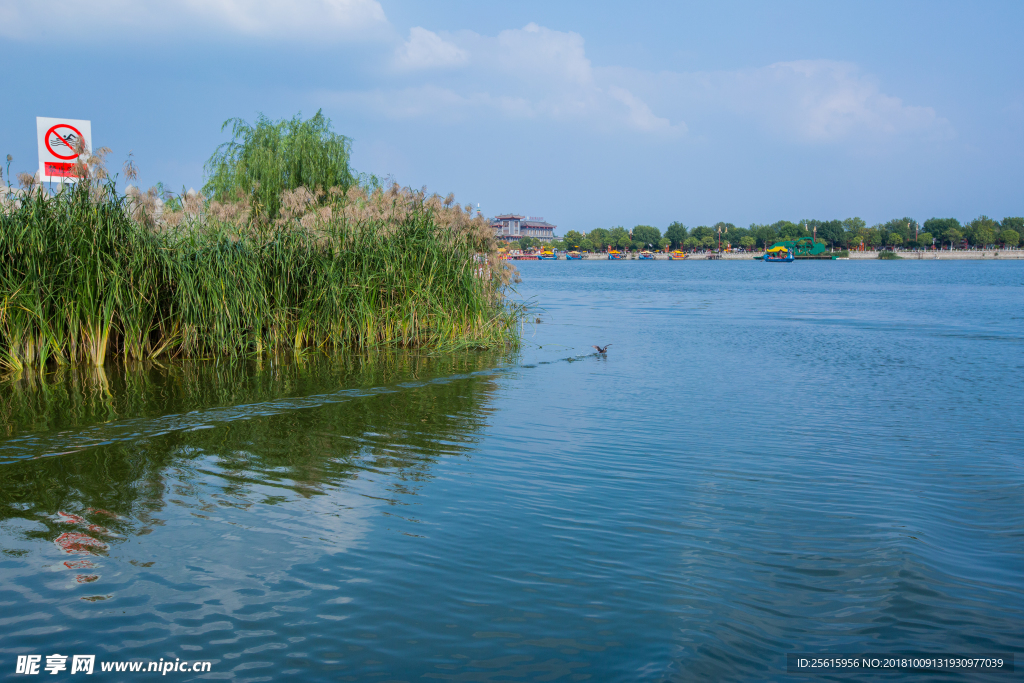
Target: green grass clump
[
  {"x": 889, "y": 256},
  {"x": 88, "y": 274}
]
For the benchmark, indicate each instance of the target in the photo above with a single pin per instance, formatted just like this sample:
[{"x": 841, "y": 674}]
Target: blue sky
[{"x": 591, "y": 114}]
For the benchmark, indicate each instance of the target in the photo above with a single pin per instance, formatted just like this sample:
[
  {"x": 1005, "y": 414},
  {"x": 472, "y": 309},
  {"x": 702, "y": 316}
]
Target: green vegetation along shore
[
  {"x": 852, "y": 233},
  {"x": 88, "y": 274}
]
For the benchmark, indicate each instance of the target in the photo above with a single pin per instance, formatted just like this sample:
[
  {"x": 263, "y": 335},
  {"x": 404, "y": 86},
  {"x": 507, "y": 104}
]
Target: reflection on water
[
  {"x": 82, "y": 407},
  {"x": 96, "y": 462}
]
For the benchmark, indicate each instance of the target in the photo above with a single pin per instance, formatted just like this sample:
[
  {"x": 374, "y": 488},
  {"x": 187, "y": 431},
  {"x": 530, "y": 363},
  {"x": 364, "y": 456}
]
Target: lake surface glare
[{"x": 771, "y": 458}]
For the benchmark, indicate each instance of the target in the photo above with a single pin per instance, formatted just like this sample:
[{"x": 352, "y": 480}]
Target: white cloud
[
  {"x": 534, "y": 52},
  {"x": 528, "y": 73},
  {"x": 531, "y": 72},
  {"x": 539, "y": 73},
  {"x": 309, "y": 19},
  {"x": 640, "y": 115},
  {"x": 808, "y": 102},
  {"x": 827, "y": 101},
  {"x": 426, "y": 50}
]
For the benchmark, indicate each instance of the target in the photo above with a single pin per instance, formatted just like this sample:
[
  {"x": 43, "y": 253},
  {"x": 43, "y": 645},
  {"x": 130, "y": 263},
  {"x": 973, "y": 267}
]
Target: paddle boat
[
  {"x": 676, "y": 255},
  {"x": 646, "y": 256},
  {"x": 573, "y": 256},
  {"x": 779, "y": 253},
  {"x": 615, "y": 255}
]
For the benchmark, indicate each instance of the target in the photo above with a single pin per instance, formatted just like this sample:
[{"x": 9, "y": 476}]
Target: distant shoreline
[{"x": 957, "y": 255}]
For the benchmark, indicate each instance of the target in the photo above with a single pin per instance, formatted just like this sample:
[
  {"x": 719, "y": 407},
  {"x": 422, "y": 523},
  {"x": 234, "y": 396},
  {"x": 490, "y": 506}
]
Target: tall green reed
[{"x": 87, "y": 274}]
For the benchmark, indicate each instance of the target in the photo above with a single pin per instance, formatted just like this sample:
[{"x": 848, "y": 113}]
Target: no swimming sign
[{"x": 61, "y": 141}]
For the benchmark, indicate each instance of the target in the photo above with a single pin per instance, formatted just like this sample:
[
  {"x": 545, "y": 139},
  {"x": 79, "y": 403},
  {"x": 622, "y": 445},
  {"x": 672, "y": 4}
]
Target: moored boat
[
  {"x": 615, "y": 255},
  {"x": 548, "y": 255},
  {"x": 646, "y": 256},
  {"x": 779, "y": 253},
  {"x": 573, "y": 256},
  {"x": 676, "y": 255}
]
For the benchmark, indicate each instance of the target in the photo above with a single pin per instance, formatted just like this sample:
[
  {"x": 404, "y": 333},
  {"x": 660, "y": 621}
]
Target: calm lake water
[{"x": 771, "y": 458}]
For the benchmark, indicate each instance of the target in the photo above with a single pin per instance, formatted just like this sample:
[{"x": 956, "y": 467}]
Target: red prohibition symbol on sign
[{"x": 65, "y": 138}]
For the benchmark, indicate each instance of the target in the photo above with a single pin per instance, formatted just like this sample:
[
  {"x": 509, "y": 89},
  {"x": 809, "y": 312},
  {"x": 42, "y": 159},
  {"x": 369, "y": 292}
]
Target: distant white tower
[{"x": 478, "y": 213}]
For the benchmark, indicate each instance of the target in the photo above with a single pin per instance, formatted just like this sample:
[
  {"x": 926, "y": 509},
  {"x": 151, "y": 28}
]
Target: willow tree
[{"x": 263, "y": 160}]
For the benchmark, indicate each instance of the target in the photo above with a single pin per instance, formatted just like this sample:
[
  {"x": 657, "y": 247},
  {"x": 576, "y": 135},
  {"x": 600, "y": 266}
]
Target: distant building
[{"x": 510, "y": 227}]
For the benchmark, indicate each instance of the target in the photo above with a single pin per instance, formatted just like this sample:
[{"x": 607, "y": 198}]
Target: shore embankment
[{"x": 956, "y": 255}]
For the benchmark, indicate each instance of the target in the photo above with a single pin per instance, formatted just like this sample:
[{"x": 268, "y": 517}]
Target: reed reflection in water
[{"x": 183, "y": 496}]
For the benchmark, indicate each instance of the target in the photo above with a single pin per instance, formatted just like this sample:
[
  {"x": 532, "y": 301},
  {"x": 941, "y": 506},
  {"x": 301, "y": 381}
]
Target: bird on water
[{"x": 601, "y": 349}]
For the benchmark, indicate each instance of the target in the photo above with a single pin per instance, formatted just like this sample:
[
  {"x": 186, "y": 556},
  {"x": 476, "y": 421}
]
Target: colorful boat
[
  {"x": 615, "y": 255},
  {"x": 676, "y": 255},
  {"x": 779, "y": 253},
  {"x": 548, "y": 255},
  {"x": 573, "y": 256},
  {"x": 646, "y": 256}
]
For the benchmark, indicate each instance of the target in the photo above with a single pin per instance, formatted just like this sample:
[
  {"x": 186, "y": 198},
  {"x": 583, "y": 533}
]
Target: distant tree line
[{"x": 852, "y": 233}]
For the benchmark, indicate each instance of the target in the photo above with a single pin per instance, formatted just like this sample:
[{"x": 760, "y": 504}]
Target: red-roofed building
[{"x": 510, "y": 227}]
